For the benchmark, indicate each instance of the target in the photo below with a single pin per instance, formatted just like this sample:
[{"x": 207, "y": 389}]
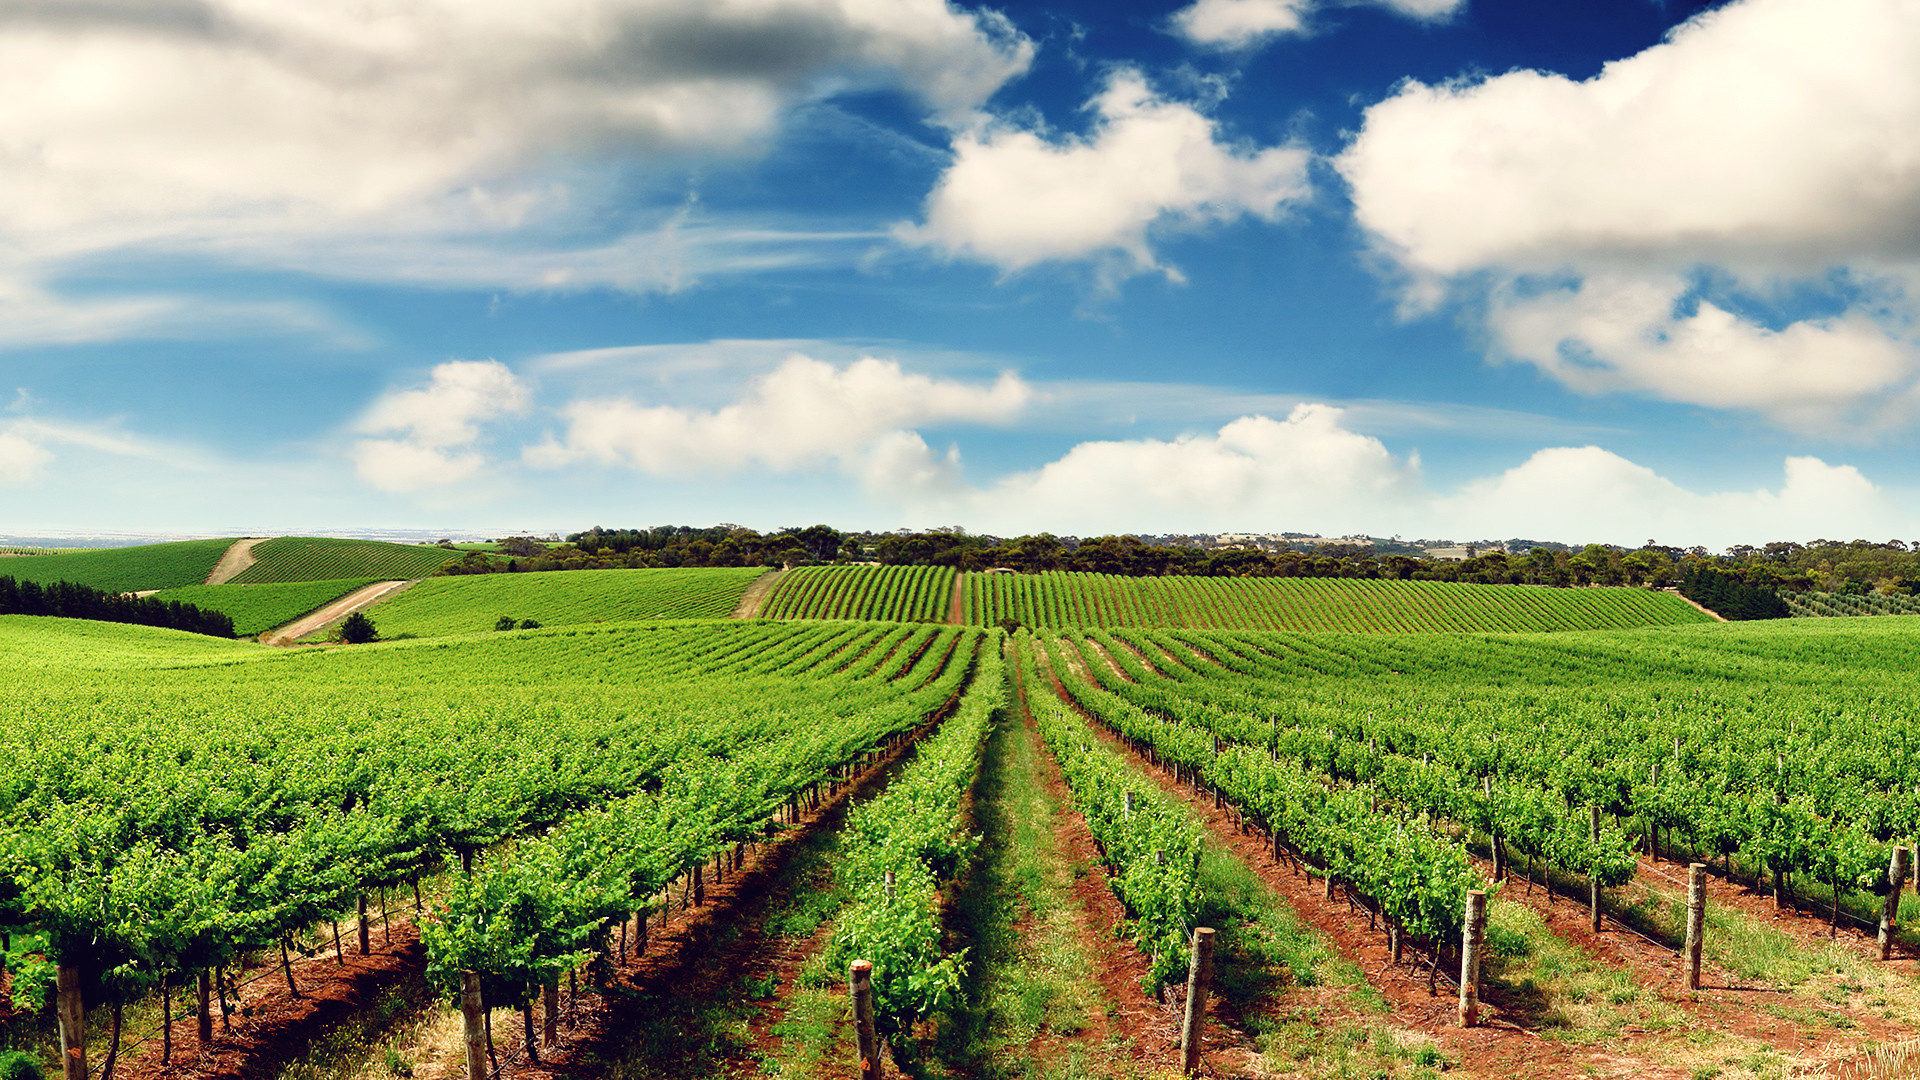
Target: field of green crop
[
  {"x": 1831, "y": 605},
  {"x": 128, "y": 569},
  {"x": 441, "y": 606},
  {"x": 1311, "y": 605},
  {"x": 256, "y": 609},
  {"x": 898, "y": 593},
  {"x": 310, "y": 558}
]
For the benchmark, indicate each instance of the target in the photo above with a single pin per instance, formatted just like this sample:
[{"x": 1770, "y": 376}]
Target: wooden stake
[
  {"x": 366, "y": 928},
  {"x": 861, "y": 980},
  {"x": 1199, "y": 979},
  {"x": 699, "y": 886},
  {"x": 550, "y": 1014},
  {"x": 166, "y": 1019},
  {"x": 1473, "y": 933},
  {"x": 1593, "y": 878},
  {"x": 73, "y": 1023},
  {"x": 205, "y": 1016},
  {"x": 1696, "y": 923},
  {"x": 1890, "y": 908},
  {"x": 473, "y": 1025}
]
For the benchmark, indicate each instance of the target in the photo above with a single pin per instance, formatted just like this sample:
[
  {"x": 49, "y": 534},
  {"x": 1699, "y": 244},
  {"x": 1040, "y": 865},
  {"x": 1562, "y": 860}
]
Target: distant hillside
[
  {"x": 258, "y": 608},
  {"x": 310, "y": 558},
  {"x": 1308, "y": 605},
  {"x": 459, "y": 605},
  {"x": 127, "y": 569}
]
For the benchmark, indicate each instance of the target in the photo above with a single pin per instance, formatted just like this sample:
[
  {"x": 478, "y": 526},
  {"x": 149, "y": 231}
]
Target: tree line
[{"x": 67, "y": 600}]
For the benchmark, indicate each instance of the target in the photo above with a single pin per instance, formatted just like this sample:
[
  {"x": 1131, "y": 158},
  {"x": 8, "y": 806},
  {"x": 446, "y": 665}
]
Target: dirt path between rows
[
  {"x": 346, "y": 605},
  {"x": 238, "y": 556},
  {"x": 756, "y": 595},
  {"x": 957, "y": 611}
]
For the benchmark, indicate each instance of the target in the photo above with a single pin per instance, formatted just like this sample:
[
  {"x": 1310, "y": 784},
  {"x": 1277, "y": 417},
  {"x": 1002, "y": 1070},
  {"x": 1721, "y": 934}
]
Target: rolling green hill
[
  {"x": 895, "y": 593},
  {"x": 442, "y": 606},
  {"x": 1312, "y": 605},
  {"x": 256, "y": 609},
  {"x": 128, "y": 569},
  {"x": 311, "y": 558}
]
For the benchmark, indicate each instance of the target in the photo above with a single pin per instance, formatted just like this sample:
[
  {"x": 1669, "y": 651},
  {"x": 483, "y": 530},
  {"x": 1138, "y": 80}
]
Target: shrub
[
  {"x": 504, "y": 622},
  {"x": 18, "y": 1065},
  {"x": 358, "y": 629}
]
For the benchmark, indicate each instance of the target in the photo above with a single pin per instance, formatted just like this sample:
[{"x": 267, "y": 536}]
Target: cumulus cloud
[
  {"x": 1014, "y": 198},
  {"x": 1774, "y": 139},
  {"x": 296, "y": 133},
  {"x": 1613, "y": 332},
  {"x": 804, "y": 413},
  {"x": 1593, "y": 495},
  {"x": 429, "y": 432},
  {"x": 1236, "y": 24},
  {"x": 1307, "y": 467},
  {"x": 1311, "y": 472}
]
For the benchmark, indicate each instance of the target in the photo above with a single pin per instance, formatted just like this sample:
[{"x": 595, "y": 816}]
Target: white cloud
[
  {"x": 1587, "y": 494},
  {"x": 334, "y": 134},
  {"x": 1014, "y": 199},
  {"x": 1307, "y": 467},
  {"x": 1776, "y": 140},
  {"x": 21, "y": 459},
  {"x": 1235, "y": 24},
  {"x": 1614, "y": 332},
  {"x": 436, "y": 426},
  {"x": 1312, "y": 473},
  {"x": 803, "y": 413}
]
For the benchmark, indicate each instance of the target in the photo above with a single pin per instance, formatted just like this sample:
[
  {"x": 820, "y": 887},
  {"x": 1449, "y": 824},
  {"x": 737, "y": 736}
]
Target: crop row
[
  {"x": 147, "y": 830},
  {"x": 1151, "y": 844},
  {"x": 1829, "y": 605},
  {"x": 896, "y": 593},
  {"x": 1789, "y": 790},
  {"x": 903, "y": 846},
  {"x": 1062, "y": 599},
  {"x": 309, "y": 558}
]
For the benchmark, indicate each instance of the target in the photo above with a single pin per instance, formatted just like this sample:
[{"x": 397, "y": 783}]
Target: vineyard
[
  {"x": 1310, "y": 605},
  {"x": 128, "y": 569},
  {"x": 896, "y": 593},
  {"x": 256, "y": 609},
  {"x": 570, "y": 820},
  {"x": 1831, "y": 605},
  {"x": 306, "y": 558},
  {"x": 438, "y": 607}
]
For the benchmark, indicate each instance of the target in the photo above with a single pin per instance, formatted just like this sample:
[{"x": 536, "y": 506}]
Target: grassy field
[
  {"x": 310, "y": 558},
  {"x": 1311, "y": 605},
  {"x": 441, "y": 606},
  {"x": 128, "y": 569},
  {"x": 258, "y": 608},
  {"x": 898, "y": 593}
]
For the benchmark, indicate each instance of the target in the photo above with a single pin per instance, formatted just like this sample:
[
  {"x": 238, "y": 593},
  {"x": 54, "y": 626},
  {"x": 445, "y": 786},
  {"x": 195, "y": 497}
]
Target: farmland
[
  {"x": 306, "y": 558},
  {"x": 607, "y": 803},
  {"x": 899, "y": 593},
  {"x": 129, "y": 569},
  {"x": 258, "y": 608},
  {"x": 1309, "y": 605},
  {"x": 441, "y": 606}
]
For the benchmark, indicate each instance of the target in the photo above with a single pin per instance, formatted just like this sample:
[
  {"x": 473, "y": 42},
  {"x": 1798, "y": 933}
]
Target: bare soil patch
[
  {"x": 339, "y": 609},
  {"x": 756, "y": 595},
  {"x": 238, "y": 557}
]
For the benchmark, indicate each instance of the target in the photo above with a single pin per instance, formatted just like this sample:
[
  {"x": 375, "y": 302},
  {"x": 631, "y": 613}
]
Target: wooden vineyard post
[
  {"x": 366, "y": 928},
  {"x": 1696, "y": 923},
  {"x": 205, "y": 1013},
  {"x": 1199, "y": 979},
  {"x": 550, "y": 1014},
  {"x": 73, "y": 1017},
  {"x": 1493, "y": 829},
  {"x": 1890, "y": 908},
  {"x": 699, "y": 886},
  {"x": 1593, "y": 875},
  {"x": 861, "y": 979},
  {"x": 1472, "y": 933},
  {"x": 472, "y": 1023}
]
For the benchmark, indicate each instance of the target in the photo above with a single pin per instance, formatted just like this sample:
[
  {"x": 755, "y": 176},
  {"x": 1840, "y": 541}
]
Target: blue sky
[{"x": 1580, "y": 270}]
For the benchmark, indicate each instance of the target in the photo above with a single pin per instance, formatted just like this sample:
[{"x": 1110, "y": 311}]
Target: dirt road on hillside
[
  {"x": 756, "y": 595},
  {"x": 339, "y": 609},
  {"x": 238, "y": 558}
]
